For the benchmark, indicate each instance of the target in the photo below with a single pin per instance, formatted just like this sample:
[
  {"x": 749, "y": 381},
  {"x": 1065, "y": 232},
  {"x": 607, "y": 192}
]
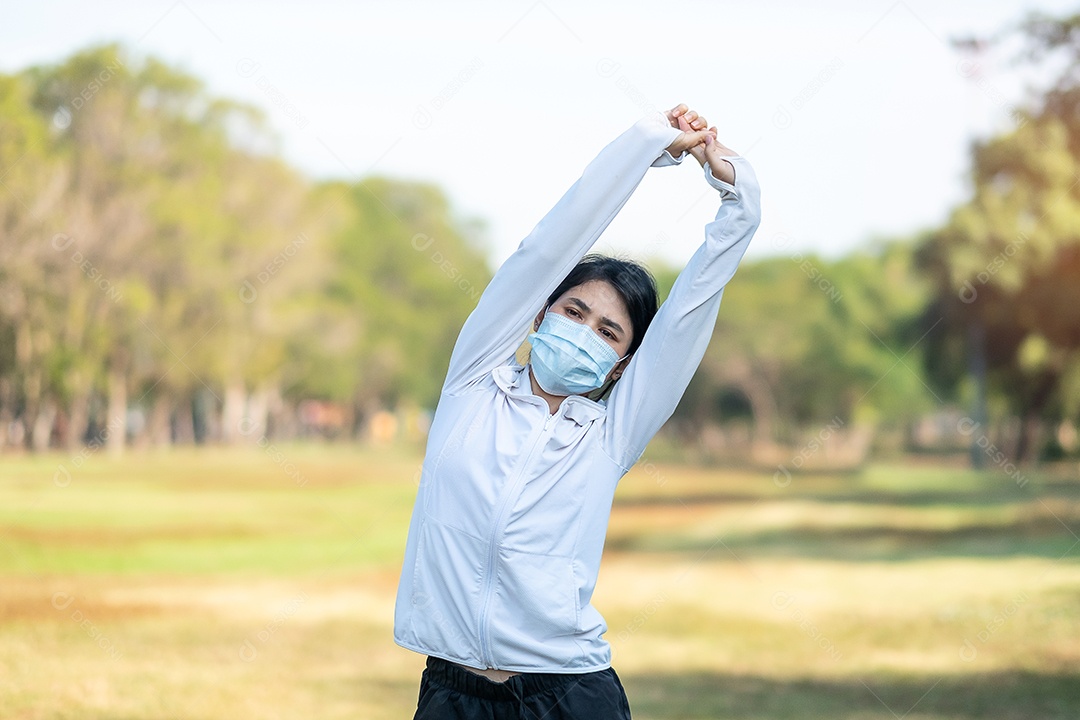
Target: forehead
[{"x": 601, "y": 297}]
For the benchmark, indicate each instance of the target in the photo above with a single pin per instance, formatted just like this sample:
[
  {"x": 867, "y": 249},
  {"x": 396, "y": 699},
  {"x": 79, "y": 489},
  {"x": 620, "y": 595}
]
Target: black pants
[{"x": 450, "y": 692}]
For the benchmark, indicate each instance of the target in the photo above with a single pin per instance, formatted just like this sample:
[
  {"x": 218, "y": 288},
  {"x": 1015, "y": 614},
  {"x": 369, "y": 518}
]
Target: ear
[
  {"x": 605, "y": 389},
  {"x": 620, "y": 368},
  {"x": 539, "y": 319}
]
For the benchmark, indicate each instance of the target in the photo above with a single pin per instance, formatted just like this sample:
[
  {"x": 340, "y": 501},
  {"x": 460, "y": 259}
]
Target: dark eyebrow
[{"x": 603, "y": 320}]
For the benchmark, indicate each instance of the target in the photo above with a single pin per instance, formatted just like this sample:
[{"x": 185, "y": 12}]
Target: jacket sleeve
[
  {"x": 659, "y": 372},
  {"x": 498, "y": 324}
]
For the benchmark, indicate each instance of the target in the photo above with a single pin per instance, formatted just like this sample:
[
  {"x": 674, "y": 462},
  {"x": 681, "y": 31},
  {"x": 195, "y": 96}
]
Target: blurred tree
[
  {"x": 406, "y": 273},
  {"x": 157, "y": 255},
  {"x": 1007, "y": 264},
  {"x": 807, "y": 342},
  {"x": 173, "y": 208},
  {"x": 33, "y": 270}
]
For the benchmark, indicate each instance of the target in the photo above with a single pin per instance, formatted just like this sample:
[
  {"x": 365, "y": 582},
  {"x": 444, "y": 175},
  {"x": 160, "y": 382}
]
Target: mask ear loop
[{"x": 604, "y": 390}]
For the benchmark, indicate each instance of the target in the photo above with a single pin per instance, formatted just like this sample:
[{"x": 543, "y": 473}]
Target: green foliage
[
  {"x": 154, "y": 251},
  {"x": 1006, "y": 265},
  {"x": 153, "y": 246},
  {"x": 403, "y": 280},
  {"x": 806, "y": 341}
]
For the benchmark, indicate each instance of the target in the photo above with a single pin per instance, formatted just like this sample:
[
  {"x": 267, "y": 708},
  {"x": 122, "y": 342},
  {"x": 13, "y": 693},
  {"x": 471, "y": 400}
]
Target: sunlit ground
[{"x": 260, "y": 584}]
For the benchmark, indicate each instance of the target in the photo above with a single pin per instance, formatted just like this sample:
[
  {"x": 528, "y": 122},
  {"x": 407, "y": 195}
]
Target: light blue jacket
[{"x": 512, "y": 509}]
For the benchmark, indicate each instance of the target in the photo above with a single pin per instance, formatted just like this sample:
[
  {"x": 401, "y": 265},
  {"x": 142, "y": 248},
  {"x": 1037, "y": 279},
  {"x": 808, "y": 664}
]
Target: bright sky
[{"x": 856, "y": 115}]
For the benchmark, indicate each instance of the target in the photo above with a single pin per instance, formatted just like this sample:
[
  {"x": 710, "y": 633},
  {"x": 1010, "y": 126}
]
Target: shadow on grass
[
  {"x": 1033, "y": 536},
  {"x": 993, "y": 696},
  {"x": 992, "y": 494}
]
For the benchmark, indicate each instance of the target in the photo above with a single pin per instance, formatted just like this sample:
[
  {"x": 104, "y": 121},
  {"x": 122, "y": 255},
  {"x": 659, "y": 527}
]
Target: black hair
[{"x": 634, "y": 283}]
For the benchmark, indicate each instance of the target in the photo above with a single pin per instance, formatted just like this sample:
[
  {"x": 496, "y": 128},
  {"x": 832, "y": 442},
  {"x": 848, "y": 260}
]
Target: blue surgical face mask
[{"x": 569, "y": 358}]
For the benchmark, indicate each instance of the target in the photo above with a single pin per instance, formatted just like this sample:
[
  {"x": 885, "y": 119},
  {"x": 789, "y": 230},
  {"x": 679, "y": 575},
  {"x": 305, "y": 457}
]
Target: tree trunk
[
  {"x": 977, "y": 367},
  {"x": 42, "y": 426},
  {"x": 233, "y": 420},
  {"x": 254, "y": 425},
  {"x": 116, "y": 416},
  {"x": 157, "y": 428},
  {"x": 32, "y": 390},
  {"x": 1027, "y": 442},
  {"x": 79, "y": 414},
  {"x": 763, "y": 406},
  {"x": 1046, "y": 387},
  {"x": 743, "y": 375},
  {"x": 182, "y": 422},
  {"x": 24, "y": 356},
  {"x": 7, "y": 415},
  {"x": 205, "y": 416}
]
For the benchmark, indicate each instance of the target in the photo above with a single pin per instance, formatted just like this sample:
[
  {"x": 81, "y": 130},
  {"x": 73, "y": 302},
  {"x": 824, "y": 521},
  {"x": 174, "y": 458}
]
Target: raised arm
[
  {"x": 659, "y": 372},
  {"x": 497, "y": 325}
]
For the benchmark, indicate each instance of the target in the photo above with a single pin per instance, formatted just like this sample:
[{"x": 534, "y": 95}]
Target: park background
[{"x": 237, "y": 242}]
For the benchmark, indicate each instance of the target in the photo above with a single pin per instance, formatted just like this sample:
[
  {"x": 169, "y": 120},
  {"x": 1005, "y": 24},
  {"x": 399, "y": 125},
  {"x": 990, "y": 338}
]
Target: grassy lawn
[{"x": 260, "y": 584}]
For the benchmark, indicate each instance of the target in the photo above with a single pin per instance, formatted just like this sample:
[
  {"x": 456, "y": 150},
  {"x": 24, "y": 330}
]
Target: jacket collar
[{"x": 513, "y": 379}]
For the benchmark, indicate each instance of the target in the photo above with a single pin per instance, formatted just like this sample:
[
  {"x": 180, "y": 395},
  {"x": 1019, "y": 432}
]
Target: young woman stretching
[{"x": 521, "y": 466}]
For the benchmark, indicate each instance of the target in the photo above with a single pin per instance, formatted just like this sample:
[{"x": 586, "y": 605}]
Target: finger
[
  {"x": 675, "y": 113},
  {"x": 696, "y": 137},
  {"x": 683, "y": 125}
]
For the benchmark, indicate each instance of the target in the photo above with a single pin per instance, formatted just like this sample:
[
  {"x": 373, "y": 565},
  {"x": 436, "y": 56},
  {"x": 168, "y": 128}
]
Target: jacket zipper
[{"x": 496, "y": 530}]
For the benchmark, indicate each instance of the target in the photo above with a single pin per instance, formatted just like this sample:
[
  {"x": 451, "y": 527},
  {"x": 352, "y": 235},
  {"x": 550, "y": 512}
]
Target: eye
[
  {"x": 572, "y": 312},
  {"x": 608, "y": 333}
]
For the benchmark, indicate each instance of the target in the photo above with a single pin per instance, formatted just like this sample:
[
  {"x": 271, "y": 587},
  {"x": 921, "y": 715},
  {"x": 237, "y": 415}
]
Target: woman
[{"x": 516, "y": 488}]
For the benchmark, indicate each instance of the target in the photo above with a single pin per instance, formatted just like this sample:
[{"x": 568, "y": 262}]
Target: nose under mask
[{"x": 569, "y": 358}]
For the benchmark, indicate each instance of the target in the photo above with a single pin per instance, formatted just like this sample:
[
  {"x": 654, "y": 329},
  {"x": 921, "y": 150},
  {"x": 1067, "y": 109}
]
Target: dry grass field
[{"x": 260, "y": 584}]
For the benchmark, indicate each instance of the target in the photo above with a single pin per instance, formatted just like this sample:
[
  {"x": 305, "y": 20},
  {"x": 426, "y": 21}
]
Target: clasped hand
[{"x": 700, "y": 142}]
